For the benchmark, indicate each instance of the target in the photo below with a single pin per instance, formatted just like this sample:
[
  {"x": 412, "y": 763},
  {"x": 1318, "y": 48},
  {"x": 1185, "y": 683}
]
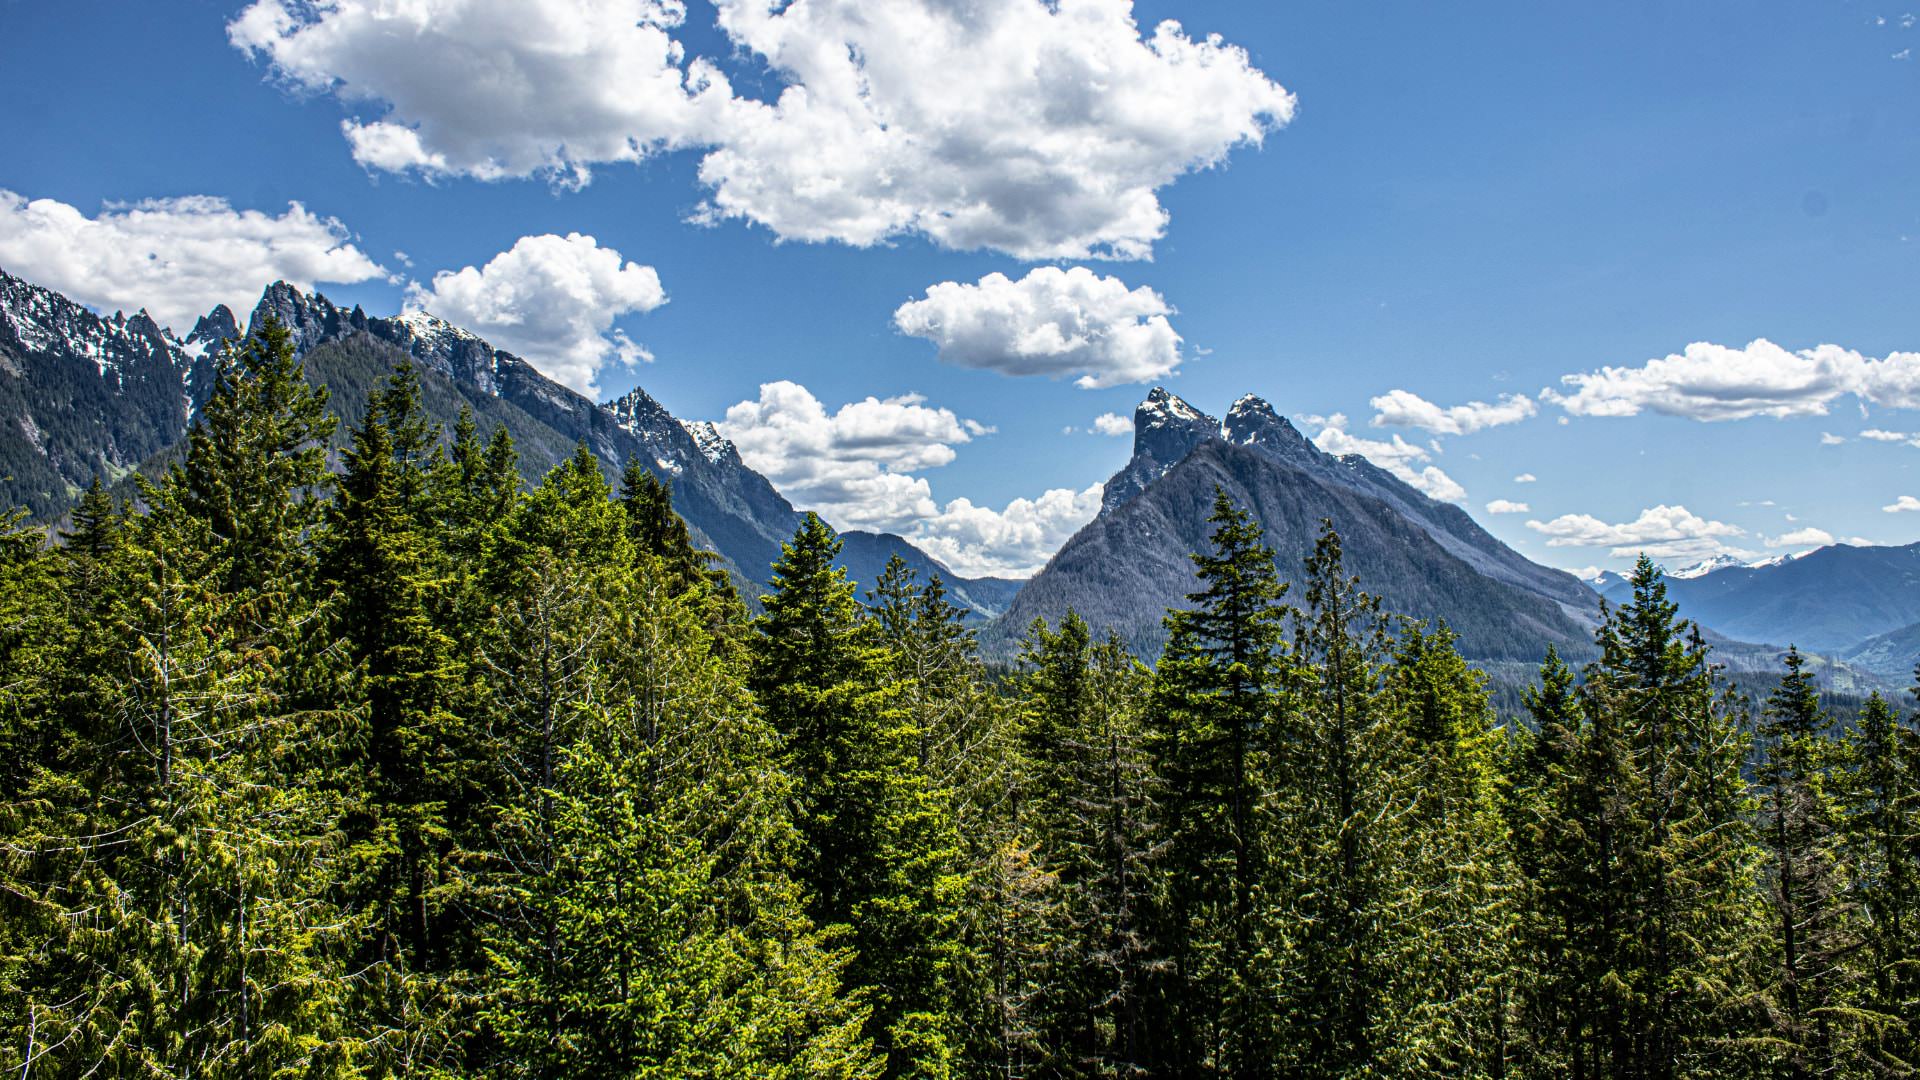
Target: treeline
[{"x": 405, "y": 770}]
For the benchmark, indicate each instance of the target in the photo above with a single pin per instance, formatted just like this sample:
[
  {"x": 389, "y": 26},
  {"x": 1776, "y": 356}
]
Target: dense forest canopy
[{"x": 410, "y": 770}]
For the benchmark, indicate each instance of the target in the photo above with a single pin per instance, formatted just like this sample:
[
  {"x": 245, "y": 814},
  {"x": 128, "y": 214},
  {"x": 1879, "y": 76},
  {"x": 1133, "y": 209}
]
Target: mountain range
[
  {"x": 1859, "y": 604},
  {"x": 84, "y": 395}
]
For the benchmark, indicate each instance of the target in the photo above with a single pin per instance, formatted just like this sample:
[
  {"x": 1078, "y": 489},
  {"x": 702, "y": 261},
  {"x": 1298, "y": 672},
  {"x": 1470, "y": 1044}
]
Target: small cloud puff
[
  {"x": 552, "y": 300},
  {"x": 1052, "y": 322}
]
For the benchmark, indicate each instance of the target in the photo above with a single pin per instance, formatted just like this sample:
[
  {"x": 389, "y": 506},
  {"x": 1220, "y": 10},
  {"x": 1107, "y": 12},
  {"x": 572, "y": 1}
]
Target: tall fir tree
[
  {"x": 414, "y": 803},
  {"x": 1217, "y": 699},
  {"x": 1809, "y": 991},
  {"x": 1880, "y": 797},
  {"x": 649, "y": 925},
  {"x": 879, "y": 849},
  {"x": 1092, "y": 805}
]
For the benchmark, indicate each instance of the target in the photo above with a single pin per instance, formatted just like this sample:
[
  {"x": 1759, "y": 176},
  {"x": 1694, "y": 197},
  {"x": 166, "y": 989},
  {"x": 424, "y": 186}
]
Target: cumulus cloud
[
  {"x": 1112, "y": 424},
  {"x": 1718, "y": 382},
  {"x": 1044, "y": 130},
  {"x": 1828, "y": 438},
  {"x": 1525, "y": 478},
  {"x": 1902, "y": 504},
  {"x": 552, "y": 300},
  {"x": 175, "y": 257},
  {"x": 1403, "y": 408},
  {"x": 1806, "y": 537},
  {"x": 978, "y": 541},
  {"x": 1039, "y": 129},
  {"x": 1508, "y": 506},
  {"x": 1052, "y": 322},
  {"x": 853, "y": 465},
  {"x": 1397, "y": 456},
  {"x": 493, "y": 88},
  {"x": 1659, "y": 531}
]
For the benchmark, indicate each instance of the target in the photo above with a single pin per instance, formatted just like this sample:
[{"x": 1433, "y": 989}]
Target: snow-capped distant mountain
[
  {"x": 82, "y": 395},
  {"x": 1706, "y": 566},
  {"x": 1828, "y": 600}
]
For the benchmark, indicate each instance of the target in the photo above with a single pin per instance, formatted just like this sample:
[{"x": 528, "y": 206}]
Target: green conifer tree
[
  {"x": 1880, "y": 792},
  {"x": 880, "y": 854},
  {"x": 1217, "y": 700}
]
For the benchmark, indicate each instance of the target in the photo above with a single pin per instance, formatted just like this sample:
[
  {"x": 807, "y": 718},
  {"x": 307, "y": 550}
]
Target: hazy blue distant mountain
[
  {"x": 1425, "y": 558},
  {"x": 1892, "y": 655},
  {"x": 82, "y": 395},
  {"x": 1829, "y": 600}
]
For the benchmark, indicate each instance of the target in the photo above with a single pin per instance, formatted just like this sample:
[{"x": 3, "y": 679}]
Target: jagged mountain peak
[
  {"x": 714, "y": 446},
  {"x": 211, "y": 332},
  {"x": 1165, "y": 429},
  {"x": 309, "y": 317},
  {"x": 1163, "y": 406},
  {"x": 1253, "y": 422}
]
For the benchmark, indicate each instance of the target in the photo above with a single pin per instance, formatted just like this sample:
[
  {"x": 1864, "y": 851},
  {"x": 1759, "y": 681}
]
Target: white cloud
[
  {"x": 1112, "y": 424},
  {"x": 977, "y": 541},
  {"x": 1508, "y": 506},
  {"x": 1879, "y": 435},
  {"x": 853, "y": 466},
  {"x": 1052, "y": 322},
  {"x": 1660, "y": 531},
  {"x": 175, "y": 257},
  {"x": 493, "y": 88},
  {"x": 1588, "y": 573},
  {"x": 1398, "y": 457},
  {"x": 1525, "y": 478},
  {"x": 552, "y": 300},
  {"x": 1041, "y": 129},
  {"x": 1807, "y": 537},
  {"x": 1403, "y": 408},
  {"x": 1717, "y": 382},
  {"x": 1827, "y": 438},
  {"x": 1902, "y": 504}
]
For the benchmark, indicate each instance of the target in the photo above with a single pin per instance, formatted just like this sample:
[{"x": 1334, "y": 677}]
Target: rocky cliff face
[{"x": 84, "y": 395}]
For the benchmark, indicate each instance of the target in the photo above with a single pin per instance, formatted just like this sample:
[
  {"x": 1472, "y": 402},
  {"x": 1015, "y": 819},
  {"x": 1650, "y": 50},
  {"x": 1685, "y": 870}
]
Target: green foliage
[
  {"x": 881, "y": 857},
  {"x": 1217, "y": 702},
  {"x": 401, "y": 770}
]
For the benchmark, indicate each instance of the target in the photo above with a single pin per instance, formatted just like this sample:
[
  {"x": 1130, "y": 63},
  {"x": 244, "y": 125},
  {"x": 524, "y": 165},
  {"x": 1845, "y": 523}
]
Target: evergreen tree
[
  {"x": 1449, "y": 922},
  {"x": 1342, "y": 763},
  {"x": 1218, "y": 691},
  {"x": 1092, "y": 806},
  {"x": 1648, "y": 867},
  {"x": 880, "y": 855},
  {"x": 650, "y": 927},
  {"x": 413, "y": 802},
  {"x": 1808, "y": 993},
  {"x": 201, "y": 938},
  {"x": 1881, "y": 806}
]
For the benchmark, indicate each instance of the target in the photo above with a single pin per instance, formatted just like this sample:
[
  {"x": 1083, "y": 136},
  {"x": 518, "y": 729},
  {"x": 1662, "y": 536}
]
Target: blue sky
[{"x": 1459, "y": 202}]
